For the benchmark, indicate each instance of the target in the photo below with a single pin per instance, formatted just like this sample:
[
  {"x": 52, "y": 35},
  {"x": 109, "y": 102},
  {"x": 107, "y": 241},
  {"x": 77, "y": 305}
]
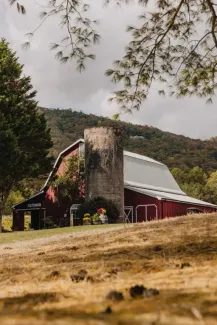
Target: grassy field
[{"x": 43, "y": 283}]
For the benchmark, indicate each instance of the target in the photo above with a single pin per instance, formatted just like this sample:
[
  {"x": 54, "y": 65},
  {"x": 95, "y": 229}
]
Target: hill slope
[
  {"x": 173, "y": 150},
  {"x": 40, "y": 282}
]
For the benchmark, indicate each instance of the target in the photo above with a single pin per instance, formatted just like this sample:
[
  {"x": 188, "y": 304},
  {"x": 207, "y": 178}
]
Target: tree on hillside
[
  {"x": 179, "y": 175},
  {"x": 195, "y": 183},
  {"x": 13, "y": 198},
  {"x": 24, "y": 137},
  {"x": 175, "y": 43},
  {"x": 212, "y": 181},
  {"x": 192, "y": 181},
  {"x": 196, "y": 175}
]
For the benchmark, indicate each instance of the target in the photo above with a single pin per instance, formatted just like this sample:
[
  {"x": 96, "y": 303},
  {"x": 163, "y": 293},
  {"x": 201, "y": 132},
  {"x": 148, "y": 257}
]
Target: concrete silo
[{"x": 104, "y": 165}]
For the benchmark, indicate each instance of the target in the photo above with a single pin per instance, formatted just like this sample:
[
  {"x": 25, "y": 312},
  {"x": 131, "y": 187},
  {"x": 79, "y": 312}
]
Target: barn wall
[
  {"x": 67, "y": 155},
  {"x": 173, "y": 209},
  {"x": 132, "y": 198},
  {"x": 52, "y": 208},
  {"x": 57, "y": 212},
  {"x": 50, "y": 194},
  {"x": 166, "y": 209}
]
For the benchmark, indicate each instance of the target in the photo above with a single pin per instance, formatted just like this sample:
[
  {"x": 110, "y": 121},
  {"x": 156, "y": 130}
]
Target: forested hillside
[{"x": 173, "y": 150}]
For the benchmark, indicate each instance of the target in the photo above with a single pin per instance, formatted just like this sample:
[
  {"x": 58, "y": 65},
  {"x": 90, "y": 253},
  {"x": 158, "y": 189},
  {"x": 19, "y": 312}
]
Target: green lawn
[{"x": 12, "y": 237}]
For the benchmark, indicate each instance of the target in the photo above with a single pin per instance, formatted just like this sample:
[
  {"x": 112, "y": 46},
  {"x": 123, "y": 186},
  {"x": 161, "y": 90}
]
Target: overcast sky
[{"x": 61, "y": 86}]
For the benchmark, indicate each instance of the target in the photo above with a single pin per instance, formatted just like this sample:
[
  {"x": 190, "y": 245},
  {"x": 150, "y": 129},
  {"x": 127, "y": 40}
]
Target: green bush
[
  {"x": 13, "y": 198},
  {"x": 95, "y": 218},
  {"x": 49, "y": 223},
  {"x": 99, "y": 202}
]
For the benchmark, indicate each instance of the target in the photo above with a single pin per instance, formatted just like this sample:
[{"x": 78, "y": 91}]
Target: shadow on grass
[
  {"x": 191, "y": 251},
  {"x": 179, "y": 304}
]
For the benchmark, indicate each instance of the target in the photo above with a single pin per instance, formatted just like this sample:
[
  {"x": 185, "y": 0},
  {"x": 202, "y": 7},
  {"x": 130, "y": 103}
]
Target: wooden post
[{"x": 18, "y": 220}]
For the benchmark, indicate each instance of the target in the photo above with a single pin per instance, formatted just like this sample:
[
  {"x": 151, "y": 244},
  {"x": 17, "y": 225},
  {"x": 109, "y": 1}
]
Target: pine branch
[{"x": 158, "y": 42}]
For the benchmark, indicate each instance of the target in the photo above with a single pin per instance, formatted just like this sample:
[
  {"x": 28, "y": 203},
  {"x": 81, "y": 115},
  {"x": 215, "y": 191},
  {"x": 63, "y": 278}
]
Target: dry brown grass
[{"x": 36, "y": 287}]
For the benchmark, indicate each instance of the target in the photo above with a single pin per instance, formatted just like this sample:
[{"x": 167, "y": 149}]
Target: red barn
[
  {"x": 150, "y": 192},
  {"x": 43, "y": 204}
]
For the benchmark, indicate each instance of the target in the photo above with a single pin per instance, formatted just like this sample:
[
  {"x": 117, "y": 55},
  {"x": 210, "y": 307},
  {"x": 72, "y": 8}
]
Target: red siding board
[
  {"x": 173, "y": 209},
  {"x": 134, "y": 199},
  {"x": 67, "y": 155},
  {"x": 166, "y": 209}
]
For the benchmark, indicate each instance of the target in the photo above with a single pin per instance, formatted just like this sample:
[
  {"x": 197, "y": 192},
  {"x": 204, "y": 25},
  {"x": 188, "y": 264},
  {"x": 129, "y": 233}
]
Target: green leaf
[
  {"x": 116, "y": 117},
  {"x": 109, "y": 72}
]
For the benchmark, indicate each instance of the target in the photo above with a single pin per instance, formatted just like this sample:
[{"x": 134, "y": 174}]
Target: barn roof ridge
[
  {"x": 141, "y": 157},
  {"x": 153, "y": 188}
]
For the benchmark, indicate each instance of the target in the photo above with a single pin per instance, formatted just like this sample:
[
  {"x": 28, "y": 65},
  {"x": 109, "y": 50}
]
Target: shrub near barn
[{"x": 97, "y": 203}]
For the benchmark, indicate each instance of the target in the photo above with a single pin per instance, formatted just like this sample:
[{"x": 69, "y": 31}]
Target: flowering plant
[
  {"x": 86, "y": 219},
  {"x": 86, "y": 215},
  {"x": 101, "y": 210},
  {"x": 95, "y": 217}
]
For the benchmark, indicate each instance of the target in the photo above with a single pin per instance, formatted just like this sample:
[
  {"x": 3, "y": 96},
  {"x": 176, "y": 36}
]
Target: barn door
[
  {"x": 128, "y": 214},
  {"x": 35, "y": 219},
  {"x": 147, "y": 216}
]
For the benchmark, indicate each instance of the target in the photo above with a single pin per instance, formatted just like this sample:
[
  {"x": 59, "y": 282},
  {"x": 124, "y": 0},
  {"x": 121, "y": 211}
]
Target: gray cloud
[{"x": 61, "y": 86}]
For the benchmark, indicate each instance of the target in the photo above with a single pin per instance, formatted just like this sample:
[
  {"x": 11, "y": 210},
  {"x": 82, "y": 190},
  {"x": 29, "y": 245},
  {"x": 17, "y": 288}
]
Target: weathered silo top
[{"x": 102, "y": 137}]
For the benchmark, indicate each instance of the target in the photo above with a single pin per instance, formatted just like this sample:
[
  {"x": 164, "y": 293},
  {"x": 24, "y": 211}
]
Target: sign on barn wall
[{"x": 34, "y": 205}]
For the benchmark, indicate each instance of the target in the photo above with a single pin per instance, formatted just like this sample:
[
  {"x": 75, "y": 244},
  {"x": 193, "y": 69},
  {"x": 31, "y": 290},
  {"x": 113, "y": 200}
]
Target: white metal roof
[
  {"x": 140, "y": 157},
  {"x": 144, "y": 170},
  {"x": 170, "y": 196}
]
